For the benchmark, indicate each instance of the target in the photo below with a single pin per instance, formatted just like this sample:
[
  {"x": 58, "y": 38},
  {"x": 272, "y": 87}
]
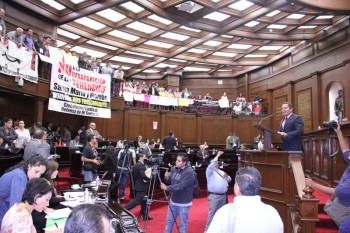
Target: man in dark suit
[
  {"x": 141, "y": 177},
  {"x": 37, "y": 146},
  {"x": 169, "y": 142},
  {"x": 291, "y": 129}
]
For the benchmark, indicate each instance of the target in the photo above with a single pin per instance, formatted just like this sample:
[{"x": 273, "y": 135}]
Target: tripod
[
  {"x": 154, "y": 177},
  {"x": 123, "y": 172}
]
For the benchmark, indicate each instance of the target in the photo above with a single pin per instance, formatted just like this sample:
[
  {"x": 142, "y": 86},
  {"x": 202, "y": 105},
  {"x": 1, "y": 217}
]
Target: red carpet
[{"x": 198, "y": 212}]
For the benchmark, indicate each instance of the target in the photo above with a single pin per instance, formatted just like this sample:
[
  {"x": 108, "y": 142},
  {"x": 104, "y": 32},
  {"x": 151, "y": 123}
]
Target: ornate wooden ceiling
[{"x": 217, "y": 38}]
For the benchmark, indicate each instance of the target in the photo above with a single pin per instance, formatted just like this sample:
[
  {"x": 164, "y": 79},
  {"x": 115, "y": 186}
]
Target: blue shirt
[
  {"x": 342, "y": 191},
  {"x": 12, "y": 186},
  {"x": 216, "y": 182}
]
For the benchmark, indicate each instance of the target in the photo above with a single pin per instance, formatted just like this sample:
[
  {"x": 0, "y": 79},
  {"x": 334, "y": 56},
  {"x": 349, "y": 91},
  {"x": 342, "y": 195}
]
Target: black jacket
[{"x": 140, "y": 178}]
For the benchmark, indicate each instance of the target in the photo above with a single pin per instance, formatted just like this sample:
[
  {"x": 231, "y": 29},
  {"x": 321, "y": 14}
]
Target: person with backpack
[
  {"x": 125, "y": 157},
  {"x": 182, "y": 180},
  {"x": 217, "y": 184}
]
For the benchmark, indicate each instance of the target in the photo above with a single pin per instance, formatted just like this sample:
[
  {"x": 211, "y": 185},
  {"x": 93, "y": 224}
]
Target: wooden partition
[
  {"x": 323, "y": 157},
  {"x": 278, "y": 186}
]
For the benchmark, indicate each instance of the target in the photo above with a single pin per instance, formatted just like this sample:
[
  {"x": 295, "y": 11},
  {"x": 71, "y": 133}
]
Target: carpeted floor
[{"x": 198, "y": 212}]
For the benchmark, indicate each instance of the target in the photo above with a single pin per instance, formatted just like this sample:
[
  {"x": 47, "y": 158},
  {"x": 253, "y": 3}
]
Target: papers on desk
[
  {"x": 61, "y": 213},
  {"x": 51, "y": 224},
  {"x": 71, "y": 204}
]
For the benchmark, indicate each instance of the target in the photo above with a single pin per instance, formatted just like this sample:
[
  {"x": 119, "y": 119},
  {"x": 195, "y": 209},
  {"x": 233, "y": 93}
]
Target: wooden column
[{"x": 39, "y": 109}]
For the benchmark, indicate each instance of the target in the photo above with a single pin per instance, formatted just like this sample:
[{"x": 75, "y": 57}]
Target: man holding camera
[
  {"x": 141, "y": 177},
  {"x": 338, "y": 208},
  {"x": 181, "y": 179},
  {"x": 90, "y": 156},
  {"x": 291, "y": 129},
  {"x": 124, "y": 167}
]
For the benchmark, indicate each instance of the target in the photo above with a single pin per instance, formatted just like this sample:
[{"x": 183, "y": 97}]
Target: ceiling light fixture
[{"x": 187, "y": 6}]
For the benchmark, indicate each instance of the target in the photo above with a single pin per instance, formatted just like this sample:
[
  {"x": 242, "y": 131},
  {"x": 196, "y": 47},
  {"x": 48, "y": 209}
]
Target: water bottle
[
  {"x": 6, "y": 146},
  {"x": 97, "y": 181},
  {"x": 86, "y": 195},
  {"x": 189, "y": 150},
  {"x": 138, "y": 150}
]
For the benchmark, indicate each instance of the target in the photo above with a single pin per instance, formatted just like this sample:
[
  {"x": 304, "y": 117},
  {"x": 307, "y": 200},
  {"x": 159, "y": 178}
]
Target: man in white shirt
[
  {"x": 248, "y": 213},
  {"x": 118, "y": 79}
]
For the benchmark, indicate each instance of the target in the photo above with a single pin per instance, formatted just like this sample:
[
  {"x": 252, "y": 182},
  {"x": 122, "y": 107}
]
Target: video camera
[
  {"x": 330, "y": 125},
  {"x": 157, "y": 160}
]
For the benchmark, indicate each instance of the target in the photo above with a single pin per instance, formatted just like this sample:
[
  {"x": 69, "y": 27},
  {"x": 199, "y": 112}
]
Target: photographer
[
  {"x": 338, "y": 208},
  {"x": 141, "y": 177},
  {"x": 124, "y": 167},
  {"x": 89, "y": 159}
]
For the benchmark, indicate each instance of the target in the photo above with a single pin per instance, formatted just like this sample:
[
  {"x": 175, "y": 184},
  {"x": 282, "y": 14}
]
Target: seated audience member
[
  {"x": 8, "y": 132},
  {"x": 237, "y": 107},
  {"x": 256, "y": 141},
  {"x": 257, "y": 99},
  {"x": 88, "y": 218},
  {"x": 36, "y": 196},
  {"x": 207, "y": 97},
  {"x": 16, "y": 37},
  {"x": 248, "y": 213},
  {"x": 2, "y": 23},
  {"x": 241, "y": 98},
  {"x": 75, "y": 142},
  {"x": 338, "y": 208},
  {"x": 37, "y": 146},
  {"x": 202, "y": 155},
  {"x": 158, "y": 144},
  {"x": 15, "y": 179},
  {"x": 50, "y": 174},
  {"x": 147, "y": 148},
  {"x": 110, "y": 163},
  {"x": 23, "y": 135}
]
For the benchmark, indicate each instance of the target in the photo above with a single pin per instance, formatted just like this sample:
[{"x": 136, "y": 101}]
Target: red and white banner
[{"x": 78, "y": 91}]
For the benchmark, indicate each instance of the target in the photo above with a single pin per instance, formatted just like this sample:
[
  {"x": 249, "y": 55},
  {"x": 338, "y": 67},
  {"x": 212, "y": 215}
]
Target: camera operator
[
  {"x": 124, "y": 167},
  {"x": 338, "y": 208},
  {"x": 141, "y": 177}
]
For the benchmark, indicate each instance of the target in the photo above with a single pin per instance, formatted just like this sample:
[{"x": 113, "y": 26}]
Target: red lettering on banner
[{"x": 65, "y": 69}]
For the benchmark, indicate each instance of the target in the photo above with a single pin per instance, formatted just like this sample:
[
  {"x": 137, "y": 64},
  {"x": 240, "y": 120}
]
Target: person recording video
[
  {"x": 141, "y": 177},
  {"x": 338, "y": 207},
  {"x": 125, "y": 156}
]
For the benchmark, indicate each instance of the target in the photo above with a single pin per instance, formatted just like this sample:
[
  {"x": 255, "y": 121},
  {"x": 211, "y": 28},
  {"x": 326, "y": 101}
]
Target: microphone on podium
[{"x": 266, "y": 118}]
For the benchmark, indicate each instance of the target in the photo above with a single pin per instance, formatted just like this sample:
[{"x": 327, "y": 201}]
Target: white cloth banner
[
  {"x": 26, "y": 68},
  {"x": 16, "y": 52},
  {"x": 224, "y": 103},
  {"x": 78, "y": 91},
  {"x": 128, "y": 96}
]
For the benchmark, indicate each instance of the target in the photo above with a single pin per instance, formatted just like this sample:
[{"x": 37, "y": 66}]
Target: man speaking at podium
[{"x": 291, "y": 129}]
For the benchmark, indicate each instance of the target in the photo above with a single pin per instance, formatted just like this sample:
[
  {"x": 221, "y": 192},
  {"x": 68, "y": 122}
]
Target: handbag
[{"x": 336, "y": 210}]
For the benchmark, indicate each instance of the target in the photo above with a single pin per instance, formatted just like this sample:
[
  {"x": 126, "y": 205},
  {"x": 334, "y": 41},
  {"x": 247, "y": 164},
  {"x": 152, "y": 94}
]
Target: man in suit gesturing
[{"x": 291, "y": 129}]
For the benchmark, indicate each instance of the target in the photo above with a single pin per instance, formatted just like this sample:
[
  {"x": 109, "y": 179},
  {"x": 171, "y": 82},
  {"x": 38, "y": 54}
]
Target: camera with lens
[
  {"x": 155, "y": 160},
  {"x": 330, "y": 125}
]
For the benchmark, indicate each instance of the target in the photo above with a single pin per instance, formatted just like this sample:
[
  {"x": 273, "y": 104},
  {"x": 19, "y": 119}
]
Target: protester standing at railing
[
  {"x": 46, "y": 67},
  {"x": 28, "y": 40},
  {"x": 118, "y": 76},
  {"x": 16, "y": 37},
  {"x": 2, "y": 23}
]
